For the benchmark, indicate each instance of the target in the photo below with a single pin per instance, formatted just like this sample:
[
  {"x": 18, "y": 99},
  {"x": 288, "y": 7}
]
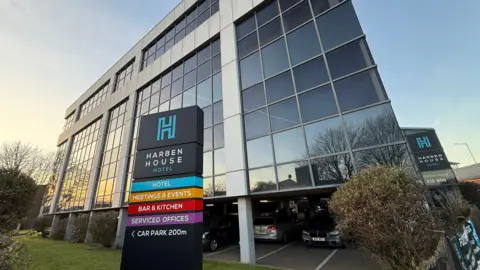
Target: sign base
[{"x": 162, "y": 244}]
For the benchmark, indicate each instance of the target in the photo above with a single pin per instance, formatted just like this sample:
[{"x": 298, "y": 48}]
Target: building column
[
  {"x": 61, "y": 176},
  {"x": 88, "y": 236},
  {"x": 70, "y": 227},
  {"x": 121, "y": 226},
  {"x": 124, "y": 155},
  {"x": 245, "y": 221},
  {"x": 55, "y": 221},
  {"x": 96, "y": 164}
]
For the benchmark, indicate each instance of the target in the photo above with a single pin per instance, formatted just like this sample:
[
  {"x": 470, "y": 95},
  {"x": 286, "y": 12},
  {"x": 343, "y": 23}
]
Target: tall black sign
[
  {"x": 165, "y": 213},
  {"x": 430, "y": 158}
]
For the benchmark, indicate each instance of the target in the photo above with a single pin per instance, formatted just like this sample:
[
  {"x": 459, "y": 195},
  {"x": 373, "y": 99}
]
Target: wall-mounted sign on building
[
  {"x": 165, "y": 213},
  {"x": 430, "y": 158}
]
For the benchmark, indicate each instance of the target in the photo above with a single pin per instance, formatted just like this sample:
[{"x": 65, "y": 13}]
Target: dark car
[
  {"x": 321, "y": 231},
  {"x": 220, "y": 231}
]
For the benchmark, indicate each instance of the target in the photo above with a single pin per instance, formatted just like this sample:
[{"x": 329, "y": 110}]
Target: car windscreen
[
  {"x": 263, "y": 221},
  {"x": 322, "y": 222}
]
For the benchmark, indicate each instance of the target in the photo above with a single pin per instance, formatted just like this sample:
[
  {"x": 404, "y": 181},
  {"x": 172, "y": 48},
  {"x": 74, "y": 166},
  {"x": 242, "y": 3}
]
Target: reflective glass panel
[
  {"x": 372, "y": 126},
  {"x": 289, "y": 145},
  {"x": 259, "y": 152},
  {"x": 284, "y": 114},
  {"x": 325, "y": 137},
  {"x": 262, "y": 180},
  {"x": 256, "y": 124},
  {"x": 294, "y": 175},
  {"x": 317, "y": 103}
]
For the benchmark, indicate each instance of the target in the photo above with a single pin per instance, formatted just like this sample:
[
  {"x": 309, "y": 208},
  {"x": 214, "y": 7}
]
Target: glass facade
[
  {"x": 78, "y": 170},
  {"x": 69, "y": 121},
  {"x": 314, "y": 107},
  {"x": 123, "y": 76},
  {"x": 98, "y": 97},
  {"x": 198, "y": 14},
  {"x": 56, "y": 166},
  {"x": 196, "y": 80},
  {"x": 107, "y": 176}
]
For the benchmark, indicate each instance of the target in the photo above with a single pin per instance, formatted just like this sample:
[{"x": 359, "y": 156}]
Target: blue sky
[{"x": 52, "y": 51}]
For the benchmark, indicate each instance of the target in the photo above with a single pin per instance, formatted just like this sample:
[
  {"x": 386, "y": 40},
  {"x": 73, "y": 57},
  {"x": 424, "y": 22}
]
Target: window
[
  {"x": 303, "y": 44},
  {"x": 259, "y": 152},
  {"x": 372, "y": 126},
  {"x": 261, "y": 180},
  {"x": 289, "y": 145},
  {"x": 270, "y": 31},
  {"x": 334, "y": 169},
  {"x": 94, "y": 100},
  {"x": 317, "y": 103},
  {"x": 267, "y": 13},
  {"x": 188, "y": 22},
  {"x": 247, "y": 45},
  {"x": 208, "y": 163},
  {"x": 107, "y": 176},
  {"x": 294, "y": 175},
  {"x": 69, "y": 121},
  {"x": 310, "y": 74},
  {"x": 178, "y": 87},
  {"x": 279, "y": 87},
  {"x": 358, "y": 90},
  {"x": 219, "y": 160},
  {"x": 292, "y": 101},
  {"x": 396, "y": 155},
  {"x": 220, "y": 185},
  {"x": 256, "y": 124},
  {"x": 250, "y": 71},
  {"x": 79, "y": 167},
  {"x": 339, "y": 26},
  {"x": 320, "y": 6},
  {"x": 274, "y": 58},
  {"x": 124, "y": 76},
  {"x": 296, "y": 16},
  {"x": 349, "y": 58},
  {"x": 253, "y": 98},
  {"x": 284, "y": 114},
  {"x": 325, "y": 137}
]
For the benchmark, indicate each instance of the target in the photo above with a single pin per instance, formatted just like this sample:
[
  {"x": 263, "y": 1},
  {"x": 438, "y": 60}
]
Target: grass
[{"x": 46, "y": 254}]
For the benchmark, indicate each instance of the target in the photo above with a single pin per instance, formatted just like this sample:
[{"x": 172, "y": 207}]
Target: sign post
[{"x": 165, "y": 213}]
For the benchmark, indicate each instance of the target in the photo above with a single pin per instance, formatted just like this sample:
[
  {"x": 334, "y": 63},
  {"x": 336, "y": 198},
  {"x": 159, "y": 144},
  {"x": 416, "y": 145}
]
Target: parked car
[
  {"x": 321, "y": 232},
  {"x": 220, "y": 231},
  {"x": 279, "y": 228}
]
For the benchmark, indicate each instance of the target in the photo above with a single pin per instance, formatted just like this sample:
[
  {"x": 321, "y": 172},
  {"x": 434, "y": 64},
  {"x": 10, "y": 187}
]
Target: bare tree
[{"x": 20, "y": 156}]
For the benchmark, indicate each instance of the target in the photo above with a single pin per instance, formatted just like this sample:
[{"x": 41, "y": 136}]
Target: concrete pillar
[
  {"x": 70, "y": 227},
  {"x": 55, "y": 222},
  {"x": 89, "y": 237},
  {"x": 245, "y": 221},
  {"x": 121, "y": 226}
]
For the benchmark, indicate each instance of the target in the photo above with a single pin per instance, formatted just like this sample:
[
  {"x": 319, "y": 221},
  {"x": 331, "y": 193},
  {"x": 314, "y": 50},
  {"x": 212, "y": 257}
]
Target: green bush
[
  {"x": 386, "y": 212},
  {"x": 103, "y": 227},
  {"x": 58, "y": 231},
  {"x": 17, "y": 191},
  {"x": 42, "y": 223},
  {"x": 9, "y": 252},
  {"x": 80, "y": 228}
]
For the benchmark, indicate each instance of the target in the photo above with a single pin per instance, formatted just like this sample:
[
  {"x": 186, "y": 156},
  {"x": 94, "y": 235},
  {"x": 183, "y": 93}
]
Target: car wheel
[
  {"x": 285, "y": 239},
  {"x": 213, "y": 245}
]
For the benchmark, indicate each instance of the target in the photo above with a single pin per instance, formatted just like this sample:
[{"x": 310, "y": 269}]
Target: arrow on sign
[{"x": 133, "y": 234}]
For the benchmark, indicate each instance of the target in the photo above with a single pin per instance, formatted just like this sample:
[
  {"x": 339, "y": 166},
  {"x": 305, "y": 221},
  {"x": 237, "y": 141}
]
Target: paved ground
[{"x": 297, "y": 256}]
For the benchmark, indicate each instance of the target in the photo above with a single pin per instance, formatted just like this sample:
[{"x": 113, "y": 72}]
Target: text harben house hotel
[{"x": 291, "y": 95}]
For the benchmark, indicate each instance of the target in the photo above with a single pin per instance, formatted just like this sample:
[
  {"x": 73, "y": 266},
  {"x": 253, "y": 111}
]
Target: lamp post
[{"x": 466, "y": 144}]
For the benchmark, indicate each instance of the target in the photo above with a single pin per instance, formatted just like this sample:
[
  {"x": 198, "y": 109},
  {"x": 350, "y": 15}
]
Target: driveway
[{"x": 296, "y": 256}]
